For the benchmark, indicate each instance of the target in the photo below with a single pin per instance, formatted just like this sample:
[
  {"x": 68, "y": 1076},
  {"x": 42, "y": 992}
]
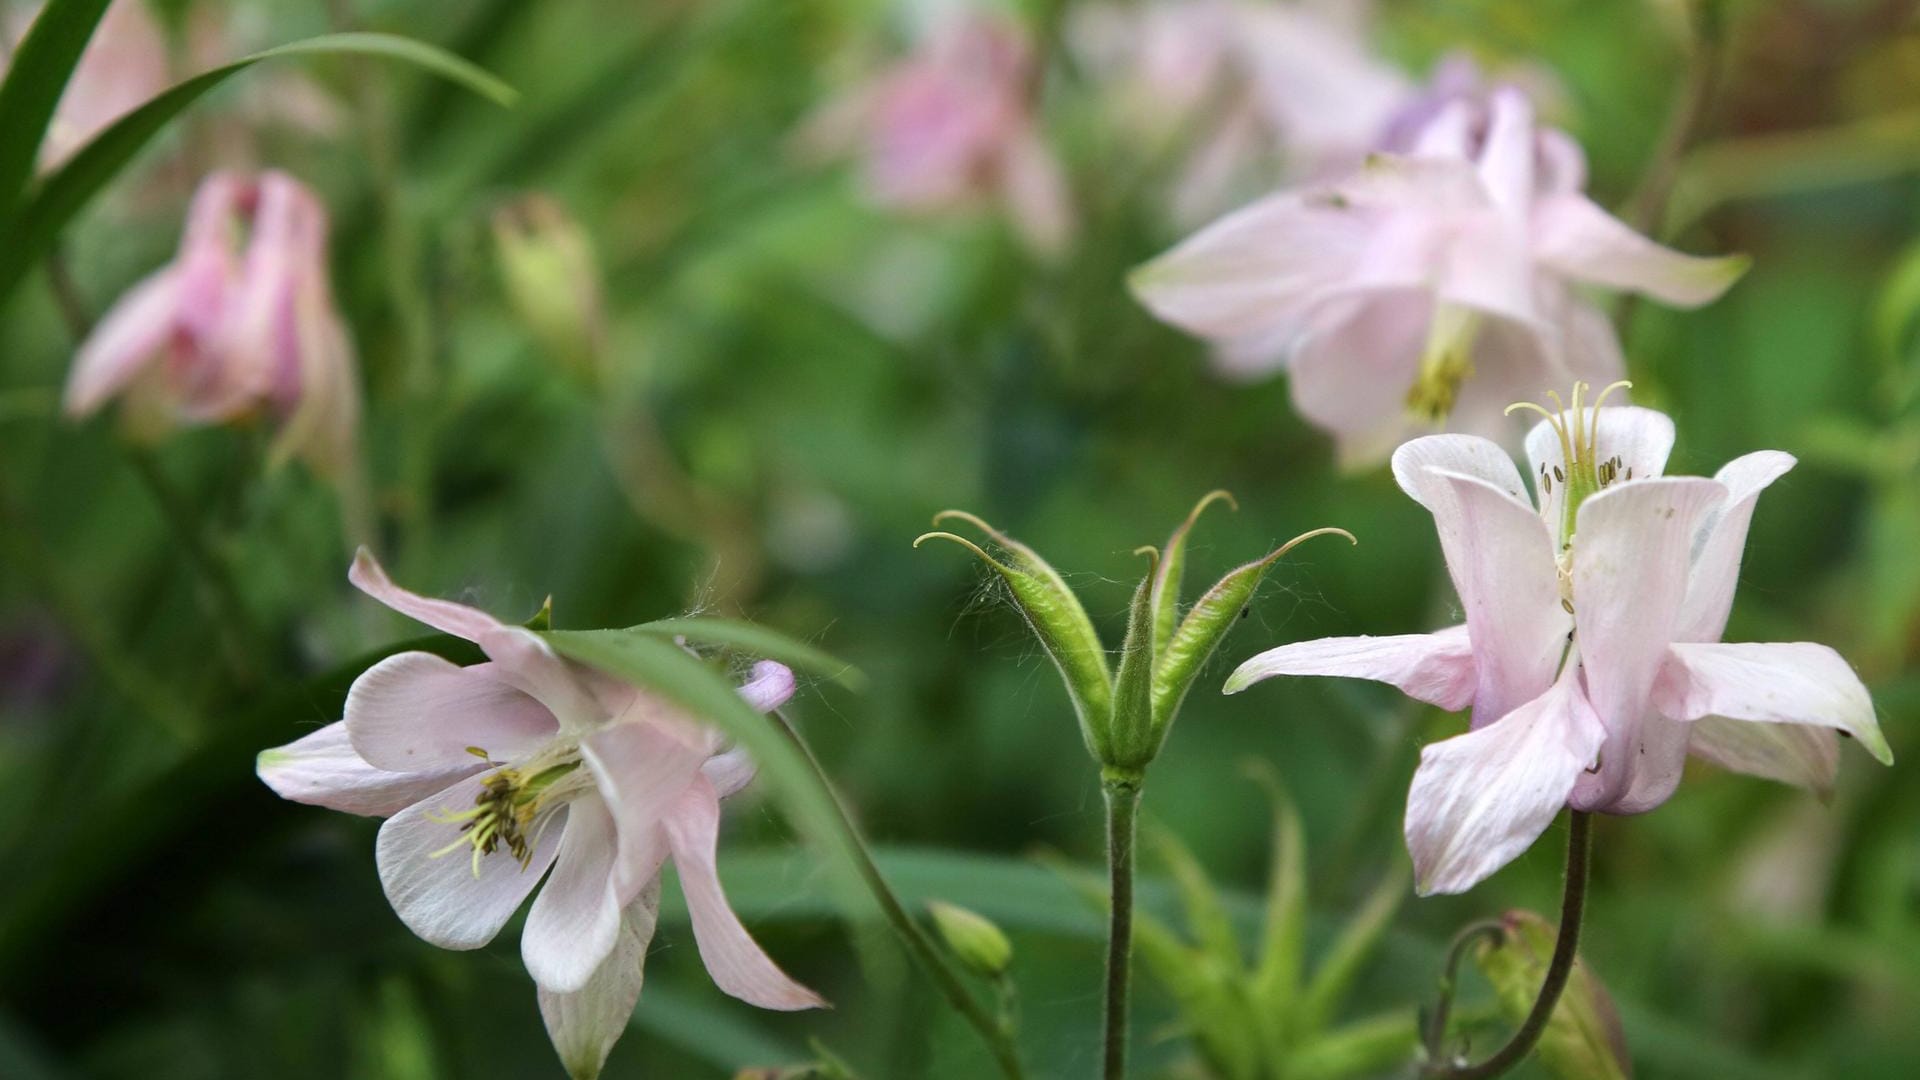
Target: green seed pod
[{"x": 972, "y": 938}]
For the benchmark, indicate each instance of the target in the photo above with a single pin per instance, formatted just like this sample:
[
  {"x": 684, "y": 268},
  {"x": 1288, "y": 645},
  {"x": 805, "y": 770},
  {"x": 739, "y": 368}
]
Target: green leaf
[
  {"x": 1057, "y": 619},
  {"x": 1173, "y": 565},
  {"x": 31, "y": 234},
  {"x": 759, "y": 641},
  {"x": 1363, "y": 1048},
  {"x": 1344, "y": 958},
  {"x": 1206, "y": 626},
  {"x": 1283, "y": 936},
  {"x": 1134, "y": 744},
  {"x": 1208, "y": 918},
  {"x": 37, "y": 75},
  {"x": 1584, "y": 1039}
]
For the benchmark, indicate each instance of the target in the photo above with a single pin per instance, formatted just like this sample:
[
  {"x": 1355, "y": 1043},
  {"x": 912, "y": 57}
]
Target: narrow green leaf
[
  {"x": 1208, "y": 918},
  {"x": 1344, "y": 958},
  {"x": 1206, "y": 626},
  {"x": 1366, "y": 1047},
  {"x": 1134, "y": 744},
  {"x": 32, "y": 232},
  {"x": 1057, "y": 619},
  {"x": 1173, "y": 565},
  {"x": 759, "y": 641},
  {"x": 1584, "y": 1039},
  {"x": 1277, "y": 976},
  {"x": 37, "y": 75}
]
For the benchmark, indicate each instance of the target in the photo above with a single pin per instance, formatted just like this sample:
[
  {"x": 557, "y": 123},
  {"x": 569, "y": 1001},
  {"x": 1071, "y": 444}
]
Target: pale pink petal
[
  {"x": 1798, "y": 754},
  {"x": 443, "y": 615},
  {"x": 585, "y": 1024},
  {"x": 1629, "y": 573},
  {"x": 1486, "y": 266},
  {"x": 1434, "y": 668},
  {"x": 440, "y": 897},
  {"x": 1787, "y": 683},
  {"x": 1350, "y": 374},
  {"x": 1640, "y": 438},
  {"x": 1480, "y": 799},
  {"x": 770, "y": 687},
  {"x": 1418, "y": 462},
  {"x": 573, "y": 923},
  {"x": 1589, "y": 345},
  {"x": 738, "y": 965},
  {"x": 529, "y": 663},
  {"x": 1448, "y": 135},
  {"x": 1562, "y": 164},
  {"x": 1507, "y": 158},
  {"x": 642, "y": 770},
  {"x": 322, "y": 769},
  {"x": 1659, "y": 758},
  {"x": 1319, "y": 83},
  {"x": 729, "y": 772},
  {"x": 415, "y": 712},
  {"x": 1512, "y": 360},
  {"x": 1722, "y": 539},
  {"x": 127, "y": 340},
  {"x": 1036, "y": 195},
  {"x": 1575, "y": 237},
  {"x": 1501, "y": 558}
]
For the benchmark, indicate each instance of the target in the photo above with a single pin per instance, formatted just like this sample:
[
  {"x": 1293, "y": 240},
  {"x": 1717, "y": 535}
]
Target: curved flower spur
[
  {"x": 1591, "y": 653},
  {"x": 491, "y": 774}
]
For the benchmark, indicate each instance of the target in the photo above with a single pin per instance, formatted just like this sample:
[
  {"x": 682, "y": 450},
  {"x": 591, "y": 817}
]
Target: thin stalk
[
  {"x": 239, "y": 633},
  {"x": 921, "y": 947},
  {"x": 1123, "y": 805},
  {"x": 1566, "y": 947}
]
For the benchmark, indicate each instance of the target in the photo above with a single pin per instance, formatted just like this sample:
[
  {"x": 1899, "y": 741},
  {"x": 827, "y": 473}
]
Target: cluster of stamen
[
  {"x": 1582, "y": 474},
  {"x": 509, "y": 811},
  {"x": 1446, "y": 364}
]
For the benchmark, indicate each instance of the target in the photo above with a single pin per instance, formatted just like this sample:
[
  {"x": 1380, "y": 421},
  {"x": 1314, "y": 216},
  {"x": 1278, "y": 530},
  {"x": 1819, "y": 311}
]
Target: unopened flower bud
[
  {"x": 1584, "y": 1039},
  {"x": 972, "y": 938},
  {"x": 548, "y": 270}
]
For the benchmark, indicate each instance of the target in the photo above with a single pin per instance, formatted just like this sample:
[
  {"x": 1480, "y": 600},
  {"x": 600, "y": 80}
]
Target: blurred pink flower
[
  {"x": 950, "y": 127},
  {"x": 1591, "y": 651},
  {"x": 1426, "y": 289},
  {"x": 242, "y": 321},
  {"x": 123, "y": 67},
  {"x": 490, "y": 774}
]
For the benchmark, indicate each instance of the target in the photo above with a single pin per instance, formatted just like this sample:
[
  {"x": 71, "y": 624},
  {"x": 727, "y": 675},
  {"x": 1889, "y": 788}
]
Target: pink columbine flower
[
  {"x": 1429, "y": 288},
  {"x": 1591, "y": 652},
  {"x": 951, "y": 127},
  {"x": 490, "y": 774},
  {"x": 242, "y": 322}
]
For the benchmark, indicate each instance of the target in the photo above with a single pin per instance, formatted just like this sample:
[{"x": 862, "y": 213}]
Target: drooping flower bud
[
  {"x": 972, "y": 938},
  {"x": 1584, "y": 1039},
  {"x": 548, "y": 271}
]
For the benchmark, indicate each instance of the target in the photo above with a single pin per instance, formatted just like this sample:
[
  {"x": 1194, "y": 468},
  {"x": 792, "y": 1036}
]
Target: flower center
[
  {"x": 1581, "y": 472},
  {"x": 513, "y": 806},
  {"x": 1446, "y": 363}
]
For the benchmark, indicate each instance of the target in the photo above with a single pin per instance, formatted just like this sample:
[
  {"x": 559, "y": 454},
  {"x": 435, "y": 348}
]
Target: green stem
[
  {"x": 1123, "y": 804},
  {"x": 1566, "y": 948},
  {"x": 239, "y": 633},
  {"x": 999, "y": 1041}
]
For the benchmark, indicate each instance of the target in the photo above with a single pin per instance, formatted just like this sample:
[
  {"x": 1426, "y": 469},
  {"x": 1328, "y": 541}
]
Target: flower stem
[
  {"x": 1565, "y": 948},
  {"x": 1123, "y": 804},
  {"x": 997, "y": 1036}
]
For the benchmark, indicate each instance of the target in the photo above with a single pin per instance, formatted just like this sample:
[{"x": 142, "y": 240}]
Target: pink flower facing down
[
  {"x": 951, "y": 127},
  {"x": 489, "y": 775},
  {"x": 1591, "y": 652},
  {"x": 1428, "y": 288},
  {"x": 242, "y": 322}
]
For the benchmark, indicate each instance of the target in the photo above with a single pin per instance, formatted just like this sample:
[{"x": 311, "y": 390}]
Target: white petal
[
  {"x": 440, "y": 898},
  {"x": 642, "y": 770},
  {"x": 415, "y": 712},
  {"x": 1507, "y": 159},
  {"x": 770, "y": 687},
  {"x": 1578, "y": 239},
  {"x": 527, "y": 662},
  {"x": 585, "y": 1024},
  {"x": 1480, "y": 799},
  {"x": 1786, "y": 683},
  {"x": 443, "y": 615},
  {"x": 1798, "y": 754},
  {"x": 573, "y": 922},
  {"x": 1434, "y": 668},
  {"x": 734, "y": 959},
  {"x": 1658, "y": 756},
  {"x": 1718, "y": 546},
  {"x": 322, "y": 769},
  {"x": 1629, "y": 573},
  {"x": 1640, "y": 438},
  {"x": 128, "y": 339},
  {"x": 729, "y": 772},
  {"x": 1468, "y": 455},
  {"x": 1352, "y": 366},
  {"x": 1501, "y": 558}
]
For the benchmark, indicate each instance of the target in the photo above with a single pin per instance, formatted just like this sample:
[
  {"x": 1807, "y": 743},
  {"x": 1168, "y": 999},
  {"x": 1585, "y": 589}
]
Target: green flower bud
[
  {"x": 548, "y": 271},
  {"x": 1584, "y": 1039},
  {"x": 1134, "y": 741},
  {"x": 972, "y": 939}
]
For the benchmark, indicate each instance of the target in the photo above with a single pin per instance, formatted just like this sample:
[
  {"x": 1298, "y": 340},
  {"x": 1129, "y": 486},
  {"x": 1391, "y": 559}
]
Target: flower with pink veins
[
  {"x": 1427, "y": 289},
  {"x": 1591, "y": 652},
  {"x": 950, "y": 127},
  {"x": 490, "y": 774},
  {"x": 241, "y": 323}
]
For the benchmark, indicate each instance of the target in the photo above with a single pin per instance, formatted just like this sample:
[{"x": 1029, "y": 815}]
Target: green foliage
[{"x": 1584, "y": 1039}]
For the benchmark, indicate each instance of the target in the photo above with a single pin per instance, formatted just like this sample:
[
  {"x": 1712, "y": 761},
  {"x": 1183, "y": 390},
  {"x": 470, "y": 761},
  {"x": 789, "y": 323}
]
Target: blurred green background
[{"x": 796, "y": 383}]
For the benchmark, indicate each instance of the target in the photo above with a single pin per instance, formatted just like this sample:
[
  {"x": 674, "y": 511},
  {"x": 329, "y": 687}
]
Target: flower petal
[
  {"x": 1575, "y": 237},
  {"x": 530, "y": 664},
  {"x": 642, "y": 770},
  {"x": 1786, "y": 683},
  {"x": 1434, "y": 668},
  {"x": 1722, "y": 538},
  {"x": 1480, "y": 799},
  {"x": 1640, "y": 438},
  {"x": 1798, "y": 754},
  {"x": 1658, "y": 756},
  {"x": 1501, "y": 558},
  {"x": 1036, "y": 195},
  {"x": 585, "y": 1024},
  {"x": 572, "y": 924},
  {"x": 1352, "y": 364},
  {"x": 1416, "y": 461},
  {"x": 127, "y": 340},
  {"x": 1507, "y": 159},
  {"x": 1629, "y": 573},
  {"x": 770, "y": 687},
  {"x": 416, "y": 712},
  {"x": 440, "y": 897},
  {"x": 729, "y": 772},
  {"x": 322, "y": 769},
  {"x": 736, "y": 962},
  {"x": 443, "y": 615}
]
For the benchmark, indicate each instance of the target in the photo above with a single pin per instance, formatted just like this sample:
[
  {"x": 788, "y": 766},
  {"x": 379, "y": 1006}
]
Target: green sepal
[
  {"x": 1173, "y": 565},
  {"x": 1333, "y": 976},
  {"x": 1057, "y": 619},
  {"x": 1283, "y": 933},
  {"x": 1583, "y": 1039},
  {"x": 1206, "y": 916},
  {"x": 1134, "y": 740}
]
